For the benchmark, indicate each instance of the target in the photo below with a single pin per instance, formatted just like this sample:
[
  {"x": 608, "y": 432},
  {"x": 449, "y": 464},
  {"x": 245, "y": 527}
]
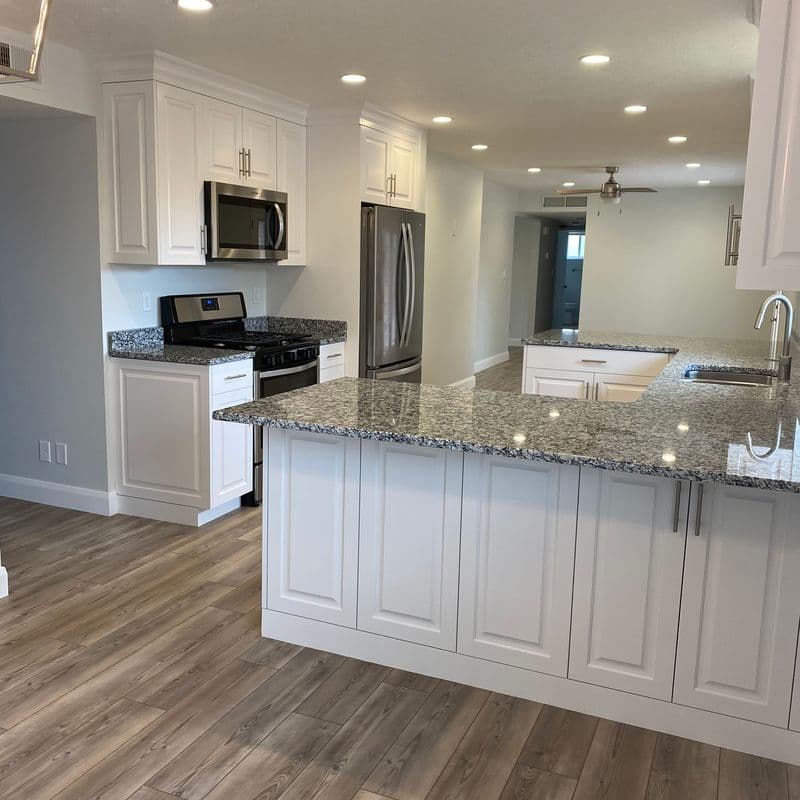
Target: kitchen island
[{"x": 636, "y": 561}]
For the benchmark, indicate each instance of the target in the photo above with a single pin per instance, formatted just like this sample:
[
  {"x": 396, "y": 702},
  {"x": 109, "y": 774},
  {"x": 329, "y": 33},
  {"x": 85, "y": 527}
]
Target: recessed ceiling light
[
  {"x": 480, "y": 147},
  {"x": 534, "y": 169},
  {"x": 442, "y": 120},
  {"x": 595, "y": 58},
  {"x": 353, "y": 78},
  {"x": 704, "y": 182},
  {"x": 677, "y": 139},
  {"x": 635, "y": 109},
  {"x": 196, "y": 5},
  {"x": 568, "y": 184},
  {"x": 693, "y": 165}
]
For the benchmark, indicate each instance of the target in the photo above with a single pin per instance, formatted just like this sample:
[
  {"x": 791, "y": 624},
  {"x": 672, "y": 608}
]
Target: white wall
[
  {"x": 50, "y": 325},
  {"x": 494, "y": 274},
  {"x": 527, "y": 231},
  {"x": 657, "y": 267},
  {"x": 454, "y": 200}
]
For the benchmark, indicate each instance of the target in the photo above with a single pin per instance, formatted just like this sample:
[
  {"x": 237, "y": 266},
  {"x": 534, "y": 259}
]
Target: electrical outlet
[
  {"x": 44, "y": 452},
  {"x": 61, "y": 453},
  {"x": 147, "y": 301},
  {"x": 258, "y": 295}
]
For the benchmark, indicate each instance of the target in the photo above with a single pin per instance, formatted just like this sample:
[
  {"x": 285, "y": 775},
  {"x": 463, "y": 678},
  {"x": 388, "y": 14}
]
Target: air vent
[
  {"x": 13, "y": 56},
  {"x": 565, "y": 201}
]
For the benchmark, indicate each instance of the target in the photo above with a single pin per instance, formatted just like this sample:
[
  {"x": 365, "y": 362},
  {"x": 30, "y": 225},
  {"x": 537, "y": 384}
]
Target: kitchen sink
[{"x": 728, "y": 378}]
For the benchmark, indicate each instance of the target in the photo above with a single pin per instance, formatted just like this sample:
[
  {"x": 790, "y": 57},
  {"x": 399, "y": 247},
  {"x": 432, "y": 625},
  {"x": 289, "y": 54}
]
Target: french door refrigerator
[{"x": 392, "y": 270}]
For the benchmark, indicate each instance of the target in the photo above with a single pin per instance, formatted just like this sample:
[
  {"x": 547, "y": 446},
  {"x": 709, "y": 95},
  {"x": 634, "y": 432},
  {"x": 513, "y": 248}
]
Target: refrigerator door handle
[
  {"x": 407, "y": 310},
  {"x": 413, "y": 271},
  {"x": 395, "y": 373}
]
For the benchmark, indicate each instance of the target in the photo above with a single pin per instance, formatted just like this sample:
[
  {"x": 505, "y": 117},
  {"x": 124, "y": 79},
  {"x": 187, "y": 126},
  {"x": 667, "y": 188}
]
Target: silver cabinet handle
[
  {"x": 394, "y": 184},
  {"x": 593, "y": 361},
  {"x": 698, "y": 517},
  {"x": 676, "y": 512},
  {"x": 389, "y": 186},
  {"x": 235, "y": 377},
  {"x": 586, "y": 393},
  {"x": 241, "y": 163},
  {"x": 248, "y": 163},
  {"x": 596, "y": 391},
  {"x": 334, "y": 355}
]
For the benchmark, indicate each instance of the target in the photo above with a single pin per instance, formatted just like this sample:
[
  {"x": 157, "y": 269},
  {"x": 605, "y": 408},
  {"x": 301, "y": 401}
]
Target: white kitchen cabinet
[
  {"x": 557, "y": 383},
  {"x": 619, "y": 388},
  {"x": 517, "y": 556},
  {"x": 291, "y": 178},
  {"x": 222, "y": 154},
  {"x": 389, "y": 168},
  {"x": 409, "y": 542},
  {"x": 331, "y": 362},
  {"x": 769, "y": 248},
  {"x": 154, "y": 189},
  {"x": 628, "y": 566},
  {"x": 311, "y": 544},
  {"x": 741, "y": 604},
  {"x": 259, "y": 140},
  {"x": 170, "y": 449}
]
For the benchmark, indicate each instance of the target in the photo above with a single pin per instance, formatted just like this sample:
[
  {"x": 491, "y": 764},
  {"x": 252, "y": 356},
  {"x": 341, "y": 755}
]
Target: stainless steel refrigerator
[{"x": 392, "y": 272}]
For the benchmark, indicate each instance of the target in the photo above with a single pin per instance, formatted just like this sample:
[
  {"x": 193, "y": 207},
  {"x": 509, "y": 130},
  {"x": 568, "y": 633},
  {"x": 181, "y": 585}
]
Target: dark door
[{"x": 568, "y": 278}]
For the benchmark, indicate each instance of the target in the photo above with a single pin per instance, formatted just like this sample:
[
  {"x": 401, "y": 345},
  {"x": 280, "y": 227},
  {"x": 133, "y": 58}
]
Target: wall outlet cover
[
  {"x": 147, "y": 301},
  {"x": 45, "y": 454},
  {"x": 61, "y": 453}
]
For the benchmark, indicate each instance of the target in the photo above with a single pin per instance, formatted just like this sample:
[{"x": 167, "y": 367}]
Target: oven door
[
  {"x": 245, "y": 224},
  {"x": 267, "y": 384}
]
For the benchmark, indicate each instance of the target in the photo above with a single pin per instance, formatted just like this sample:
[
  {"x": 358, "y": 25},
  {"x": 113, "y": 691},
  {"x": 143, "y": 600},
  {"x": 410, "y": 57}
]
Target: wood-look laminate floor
[
  {"x": 505, "y": 377},
  {"x": 131, "y": 666}
]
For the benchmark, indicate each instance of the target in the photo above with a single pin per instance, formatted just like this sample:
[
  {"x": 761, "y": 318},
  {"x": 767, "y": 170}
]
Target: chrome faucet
[{"x": 785, "y": 360}]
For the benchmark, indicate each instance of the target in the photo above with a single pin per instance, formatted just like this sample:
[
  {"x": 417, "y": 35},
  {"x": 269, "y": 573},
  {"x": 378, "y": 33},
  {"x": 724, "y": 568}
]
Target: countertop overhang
[{"x": 676, "y": 429}]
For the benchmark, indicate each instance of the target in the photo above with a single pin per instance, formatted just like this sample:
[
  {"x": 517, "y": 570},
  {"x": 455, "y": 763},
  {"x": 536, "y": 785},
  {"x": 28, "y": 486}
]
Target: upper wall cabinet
[
  {"x": 769, "y": 251},
  {"x": 161, "y": 142},
  {"x": 154, "y": 206},
  {"x": 392, "y": 168}
]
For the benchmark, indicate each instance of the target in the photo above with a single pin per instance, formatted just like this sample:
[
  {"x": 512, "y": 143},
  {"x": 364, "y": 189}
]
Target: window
[{"x": 576, "y": 243}]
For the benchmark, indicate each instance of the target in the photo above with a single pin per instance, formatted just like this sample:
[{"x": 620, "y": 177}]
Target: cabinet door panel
[
  {"x": 130, "y": 162},
  {"x": 312, "y": 525},
  {"x": 741, "y": 605},
  {"x": 619, "y": 388},
  {"x": 517, "y": 555},
  {"x": 292, "y": 180},
  {"x": 769, "y": 253},
  {"x": 180, "y": 188},
  {"x": 628, "y": 566},
  {"x": 403, "y": 166},
  {"x": 259, "y": 133},
  {"x": 231, "y": 452},
  {"x": 410, "y": 529},
  {"x": 557, "y": 383},
  {"x": 374, "y": 165},
  {"x": 221, "y": 141},
  {"x": 164, "y": 436}
]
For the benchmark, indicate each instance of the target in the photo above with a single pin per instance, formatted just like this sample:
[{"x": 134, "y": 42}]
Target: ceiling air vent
[{"x": 564, "y": 201}]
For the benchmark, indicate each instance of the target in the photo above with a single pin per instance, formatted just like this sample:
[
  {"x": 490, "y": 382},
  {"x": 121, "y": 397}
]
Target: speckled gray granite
[
  {"x": 328, "y": 331},
  {"x": 676, "y": 429},
  {"x": 147, "y": 344}
]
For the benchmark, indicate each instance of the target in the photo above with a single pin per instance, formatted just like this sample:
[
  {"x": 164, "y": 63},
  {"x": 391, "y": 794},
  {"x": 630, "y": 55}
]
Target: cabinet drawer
[
  {"x": 331, "y": 355},
  {"x": 623, "y": 362},
  {"x": 229, "y": 377},
  {"x": 234, "y": 398},
  {"x": 331, "y": 374}
]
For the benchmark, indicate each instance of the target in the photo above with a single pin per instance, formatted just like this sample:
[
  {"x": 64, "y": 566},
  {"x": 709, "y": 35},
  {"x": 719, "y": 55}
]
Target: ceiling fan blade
[
  {"x": 638, "y": 189},
  {"x": 577, "y": 191}
]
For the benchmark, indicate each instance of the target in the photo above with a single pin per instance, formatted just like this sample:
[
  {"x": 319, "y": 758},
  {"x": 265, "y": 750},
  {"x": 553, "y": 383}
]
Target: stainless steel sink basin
[{"x": 727, "y": 378}]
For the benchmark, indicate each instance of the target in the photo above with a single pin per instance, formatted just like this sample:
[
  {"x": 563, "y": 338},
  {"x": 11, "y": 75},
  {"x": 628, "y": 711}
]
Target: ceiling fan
[{"x": 610, "y": 190}]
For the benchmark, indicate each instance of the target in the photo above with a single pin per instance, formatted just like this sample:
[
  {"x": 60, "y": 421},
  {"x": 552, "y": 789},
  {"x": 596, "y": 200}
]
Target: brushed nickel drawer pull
[
  {"x": 235, "y": 377},
  {"x": 334, "y": 355},
  {"x": 698, "y": 520},
  {"x": 593, "y": 361},
  {"x": 676, "y": 514}
]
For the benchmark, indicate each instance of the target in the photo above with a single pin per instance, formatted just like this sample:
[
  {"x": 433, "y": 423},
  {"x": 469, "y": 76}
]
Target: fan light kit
[
  {"x": 196, "y": 5},
  {"x": 595, "y": 58},
  {"x": 353, "y": 78},
  {"x": 610, "y": 190}
]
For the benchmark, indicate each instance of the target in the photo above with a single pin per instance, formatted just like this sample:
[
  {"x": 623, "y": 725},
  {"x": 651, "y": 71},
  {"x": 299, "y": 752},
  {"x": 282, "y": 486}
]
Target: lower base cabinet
[
  {"x": 628, "y": 566},
  {"x": 409, "y": 542},
  {"x": 517, "y": 552},
  {"x": 741, "y": 604}
]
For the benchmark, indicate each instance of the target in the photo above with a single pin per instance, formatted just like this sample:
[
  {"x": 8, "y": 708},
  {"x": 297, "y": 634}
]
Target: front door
[{"x": 568, "y": 278}]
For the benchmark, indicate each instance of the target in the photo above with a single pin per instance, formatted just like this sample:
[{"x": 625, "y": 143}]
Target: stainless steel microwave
[{"x": 244, "y": 223}]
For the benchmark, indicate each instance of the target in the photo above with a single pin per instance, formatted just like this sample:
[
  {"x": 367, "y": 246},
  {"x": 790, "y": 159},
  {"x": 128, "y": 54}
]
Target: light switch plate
[
  {"x": 45, "y": 454},
  {"x": 61, "y": 453},
  {"x": 147, "y": 301}
]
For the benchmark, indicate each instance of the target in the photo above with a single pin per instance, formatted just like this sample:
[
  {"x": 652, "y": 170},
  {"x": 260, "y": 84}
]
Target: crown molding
[
  {"x": 374, "y": 117},
  {"x": 175, "y": 71}
]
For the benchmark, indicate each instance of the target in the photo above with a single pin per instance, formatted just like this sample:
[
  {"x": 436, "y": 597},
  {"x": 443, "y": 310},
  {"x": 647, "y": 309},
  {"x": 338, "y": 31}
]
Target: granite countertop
[
  {"x": 676, "y": 429},
  {"x": 326, "y": 331},
  {"x": 147, "y": 344}
]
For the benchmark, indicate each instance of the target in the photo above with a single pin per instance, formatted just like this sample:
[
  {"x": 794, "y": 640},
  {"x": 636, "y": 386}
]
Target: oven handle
[{"x": 276, "y": 373}]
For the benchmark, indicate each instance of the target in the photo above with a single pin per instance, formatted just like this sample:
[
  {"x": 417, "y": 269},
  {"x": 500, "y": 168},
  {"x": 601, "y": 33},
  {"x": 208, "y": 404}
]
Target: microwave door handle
[
  {"x": 407, "y": 266},
  {"x": 412, "y": 268},
  {"x": 279, "y": 243}
]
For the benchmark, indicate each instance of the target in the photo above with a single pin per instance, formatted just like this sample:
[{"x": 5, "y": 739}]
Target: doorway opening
[{"x": 568, "y": 278}]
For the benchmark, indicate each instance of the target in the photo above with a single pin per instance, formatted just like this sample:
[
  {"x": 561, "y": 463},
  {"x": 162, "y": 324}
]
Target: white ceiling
[{"x": 506, "y": 70}]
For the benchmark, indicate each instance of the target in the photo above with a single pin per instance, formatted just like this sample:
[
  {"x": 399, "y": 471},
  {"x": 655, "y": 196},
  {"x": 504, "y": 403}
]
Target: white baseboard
[
  {"x": 644, "y": 712},
  {"x": 55, "y": 494},
  {"x": 3, "y": 582},
  {"x": 467, "y": 383},
  {"x": 492, "y": 361},
  {"x": 169, "y": 512}
]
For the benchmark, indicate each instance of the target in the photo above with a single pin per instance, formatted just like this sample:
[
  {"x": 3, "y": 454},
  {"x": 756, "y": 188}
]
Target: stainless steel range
[{"x": 282, "y": 362}]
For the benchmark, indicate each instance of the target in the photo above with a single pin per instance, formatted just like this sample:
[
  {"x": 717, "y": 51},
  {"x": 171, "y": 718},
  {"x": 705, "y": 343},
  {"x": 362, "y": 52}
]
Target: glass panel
[
  {"x": 242, "y": 223},
  {"x": 576, "y": 243}
]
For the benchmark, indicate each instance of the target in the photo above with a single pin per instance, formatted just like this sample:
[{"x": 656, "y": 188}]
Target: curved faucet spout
[{"x": 785, "y": 365}]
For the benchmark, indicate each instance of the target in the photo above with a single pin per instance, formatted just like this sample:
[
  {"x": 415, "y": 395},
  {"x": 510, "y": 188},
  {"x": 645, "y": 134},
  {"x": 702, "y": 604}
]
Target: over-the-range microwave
[{"x": 244, "y": 223}]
